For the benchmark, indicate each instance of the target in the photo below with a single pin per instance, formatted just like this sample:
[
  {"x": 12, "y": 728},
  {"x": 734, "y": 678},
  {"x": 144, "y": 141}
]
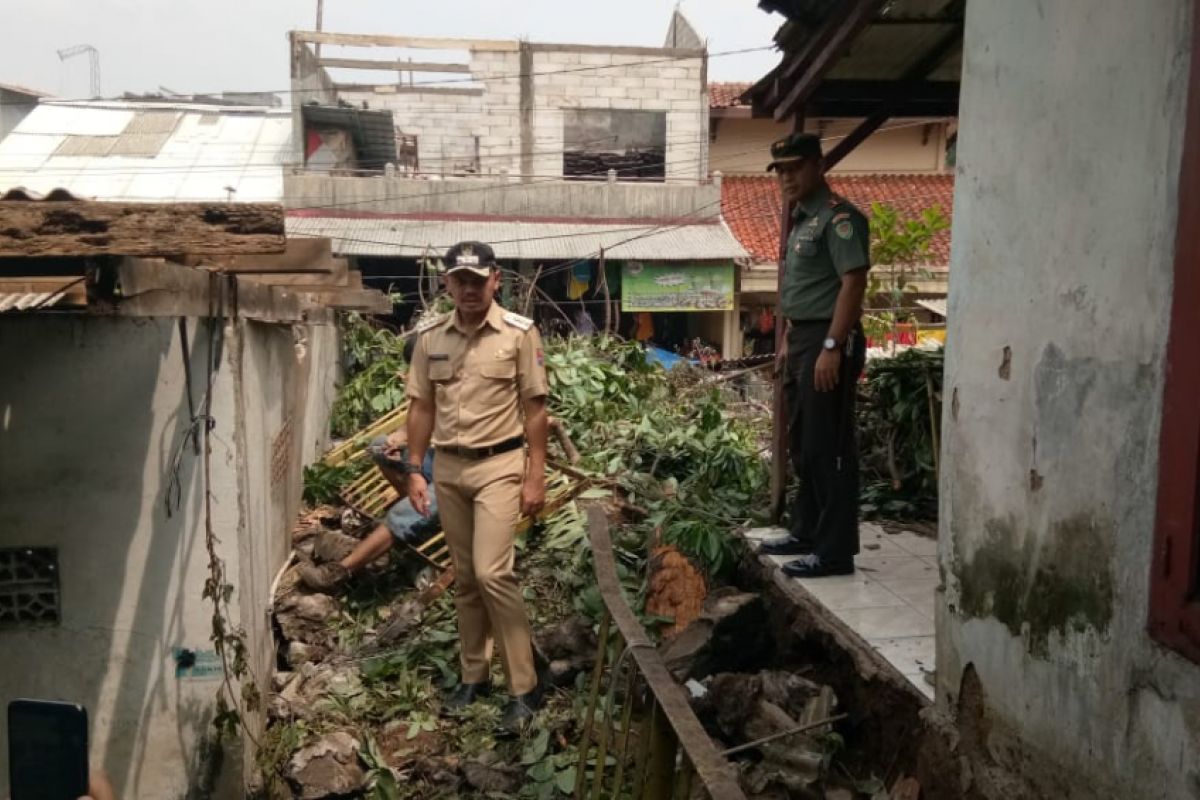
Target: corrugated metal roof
[
  {"x": 936, "y": 305},
  {"x": 20, "y": 301},
  {"x": 406, "y": 237},
  {"x": 151, "y": 152}
]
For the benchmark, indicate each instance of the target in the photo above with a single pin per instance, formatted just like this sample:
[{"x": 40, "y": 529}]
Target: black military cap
[
  {"x": 476, "y": 257},
  {"x": 794, "y": 148}
]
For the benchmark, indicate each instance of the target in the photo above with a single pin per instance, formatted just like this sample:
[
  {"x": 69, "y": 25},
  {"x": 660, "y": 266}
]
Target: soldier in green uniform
[{"x": 821, "y": 296}]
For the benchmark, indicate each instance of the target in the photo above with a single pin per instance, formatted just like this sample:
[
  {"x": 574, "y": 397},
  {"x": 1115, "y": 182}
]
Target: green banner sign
[{"x": 677, "y": 287}]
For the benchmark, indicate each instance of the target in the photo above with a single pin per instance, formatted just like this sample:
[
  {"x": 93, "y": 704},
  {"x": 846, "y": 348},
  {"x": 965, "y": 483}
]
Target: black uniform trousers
[{"x": 824, "y": 448}]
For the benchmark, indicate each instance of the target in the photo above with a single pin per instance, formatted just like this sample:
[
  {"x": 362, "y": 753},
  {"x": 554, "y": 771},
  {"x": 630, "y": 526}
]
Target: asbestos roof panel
[
  {"x": 51, "y": 118},
  {"x": 937, "y": 306},
  {"x": 161, "y": 153},
  {"x": 409, "y": 237}
]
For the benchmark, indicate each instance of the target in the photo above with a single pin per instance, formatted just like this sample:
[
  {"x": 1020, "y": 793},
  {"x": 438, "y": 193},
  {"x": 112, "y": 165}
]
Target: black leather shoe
[
  {"x": 791, "y": 546},
  {"x": 520, "y": 710},
  {"x": 464, "y": 695},
  {"x": 813, "y": 567}
]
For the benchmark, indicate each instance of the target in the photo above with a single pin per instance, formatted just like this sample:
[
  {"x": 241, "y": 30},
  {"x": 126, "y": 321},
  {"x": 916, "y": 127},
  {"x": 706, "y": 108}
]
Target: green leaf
[{"x": 565, "y": 781}]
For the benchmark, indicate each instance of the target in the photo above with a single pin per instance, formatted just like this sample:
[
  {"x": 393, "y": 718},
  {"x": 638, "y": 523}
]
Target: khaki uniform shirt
[
  {"x": 477, "y": 378},
  {"x": 829, "y": 238}
]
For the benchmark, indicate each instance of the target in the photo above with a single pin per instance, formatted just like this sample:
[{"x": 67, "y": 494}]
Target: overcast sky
[{"x": 201, "y": 46}]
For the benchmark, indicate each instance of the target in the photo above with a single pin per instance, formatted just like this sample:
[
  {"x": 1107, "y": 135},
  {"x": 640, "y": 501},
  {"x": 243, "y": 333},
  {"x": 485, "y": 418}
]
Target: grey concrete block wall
[{"x": 563, "y": 77}]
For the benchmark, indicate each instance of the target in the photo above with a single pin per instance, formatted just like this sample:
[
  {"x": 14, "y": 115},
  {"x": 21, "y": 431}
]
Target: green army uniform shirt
[{"x": 829, "y": 238}]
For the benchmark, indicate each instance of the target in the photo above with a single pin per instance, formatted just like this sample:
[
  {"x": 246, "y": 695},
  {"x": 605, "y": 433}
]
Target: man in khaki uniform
[{"x": 478, "y": 389}]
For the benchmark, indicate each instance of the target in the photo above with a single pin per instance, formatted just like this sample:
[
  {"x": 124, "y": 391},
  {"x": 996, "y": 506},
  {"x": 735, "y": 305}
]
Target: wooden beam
[
  {"x": 87, "y": 228},
  {"x": 137, "y": 287},
  {"x": 908, "y": 83},
  {"x": 413, "y": 42},
  {"x": 824, "y": 52},
  {"x": 399, "y": 88},
  {"x": 369, "y": 301},
  {"x": 396, "y": 64}
]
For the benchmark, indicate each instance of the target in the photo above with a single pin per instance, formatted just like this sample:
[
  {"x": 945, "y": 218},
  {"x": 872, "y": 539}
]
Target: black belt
[{"x": 480, "y": 453}]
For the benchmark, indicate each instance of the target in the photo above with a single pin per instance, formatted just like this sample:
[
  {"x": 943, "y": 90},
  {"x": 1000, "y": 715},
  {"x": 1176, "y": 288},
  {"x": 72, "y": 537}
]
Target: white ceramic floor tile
[
  {"x": 913, "y": 544},
  {"x": 895, "y": 568},
  {"x": 874, "y": 542},
  {"x": 837, "y": 594},
  {"x": 910, "y": 654},
  {"x": 914, "y": 590},
  {"x": 886, "y": 623},
  {"x": 924, "y": 608}
]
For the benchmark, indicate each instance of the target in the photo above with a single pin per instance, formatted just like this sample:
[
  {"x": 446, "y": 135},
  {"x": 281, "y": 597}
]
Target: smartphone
[{"x": 47, "y": 750}]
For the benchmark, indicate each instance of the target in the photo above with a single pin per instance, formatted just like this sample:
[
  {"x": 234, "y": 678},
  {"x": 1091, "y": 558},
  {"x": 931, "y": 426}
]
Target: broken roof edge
[
  {"x": 484, "y": 45},
  {"x": 25, "y": 90},
  {"x": 169, "y": 105}
]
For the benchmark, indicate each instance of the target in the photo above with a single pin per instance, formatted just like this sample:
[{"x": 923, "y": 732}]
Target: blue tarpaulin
[{"x": 656, "y": 355}]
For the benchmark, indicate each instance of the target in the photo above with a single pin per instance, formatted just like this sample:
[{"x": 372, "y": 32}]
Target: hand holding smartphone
[{"x": 47, "y": 750}]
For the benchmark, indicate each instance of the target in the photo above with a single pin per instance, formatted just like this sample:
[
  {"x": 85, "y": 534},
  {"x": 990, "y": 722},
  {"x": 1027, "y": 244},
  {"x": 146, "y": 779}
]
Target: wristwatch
[
  {"x": 412, "y": 469},
  {"x": 831, "y": 344}
]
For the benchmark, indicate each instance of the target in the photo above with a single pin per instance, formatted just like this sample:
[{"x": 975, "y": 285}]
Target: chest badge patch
[{"x": 844, "y": 229}]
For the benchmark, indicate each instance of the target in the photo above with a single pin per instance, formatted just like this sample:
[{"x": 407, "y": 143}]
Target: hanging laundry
[
  {"x": 645, "y": 327},
  {"x": 579, "y": 280},
  {"x": 584, "y": 325}
]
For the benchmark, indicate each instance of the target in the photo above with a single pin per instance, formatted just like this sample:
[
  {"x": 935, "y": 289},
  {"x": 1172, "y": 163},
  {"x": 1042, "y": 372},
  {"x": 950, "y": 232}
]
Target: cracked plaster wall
[
  {"x": 91, "y": 412},
  {"x": 1065, "y": 210}
]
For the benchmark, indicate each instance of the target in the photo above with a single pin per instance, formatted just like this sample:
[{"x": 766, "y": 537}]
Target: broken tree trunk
[{"x": 87, "y": 228}]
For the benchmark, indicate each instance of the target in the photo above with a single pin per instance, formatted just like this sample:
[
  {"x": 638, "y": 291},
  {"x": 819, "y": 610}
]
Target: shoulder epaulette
[
  {"x": 431, "y": 321},
  {"x": 517, "y": 321}
]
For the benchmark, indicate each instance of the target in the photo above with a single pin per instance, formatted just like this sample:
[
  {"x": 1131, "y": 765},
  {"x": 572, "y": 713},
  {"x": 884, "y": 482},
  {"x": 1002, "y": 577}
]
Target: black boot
[
  {"x": 520, "y": 710},
  {"x": 464, "y": 695},
  {"x": 791, "y": 546}
]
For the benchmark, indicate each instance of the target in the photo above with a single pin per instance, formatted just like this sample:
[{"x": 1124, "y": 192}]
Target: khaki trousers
[{"x": 479, "y": 503}]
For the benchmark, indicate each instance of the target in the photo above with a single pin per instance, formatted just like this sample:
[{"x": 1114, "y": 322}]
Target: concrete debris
[
  {"x": 299, "y": 654},
  {"x": 331, "y": 546},
  {"x": 401, "y": 617},
  {"x": 305, "y": 617},
  {"x": 352, "y": 520},
  {"x": 675, "y": 590},
  {"x": 731, "y": 634},
  {"x": 745, "y": 708},
  {"x": 566, "y": 649},
  {"x": 488, "y": 774},
  {"x": 329, "y": 767}
]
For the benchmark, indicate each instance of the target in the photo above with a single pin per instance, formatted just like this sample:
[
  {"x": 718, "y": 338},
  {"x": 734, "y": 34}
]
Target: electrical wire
[{"x": 431, "y": 84}]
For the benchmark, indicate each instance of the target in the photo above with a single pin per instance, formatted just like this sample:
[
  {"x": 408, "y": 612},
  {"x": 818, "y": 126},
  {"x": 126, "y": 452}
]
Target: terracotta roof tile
[
  {"x": 725, "y": 95},
  {"x": 751, "y": 206}
]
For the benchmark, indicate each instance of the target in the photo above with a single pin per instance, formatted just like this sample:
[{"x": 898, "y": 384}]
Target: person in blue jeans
[{"x": 339, "y": 556}]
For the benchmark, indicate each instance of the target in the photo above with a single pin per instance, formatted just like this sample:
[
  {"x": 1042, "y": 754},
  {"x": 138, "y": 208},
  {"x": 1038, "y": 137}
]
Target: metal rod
[
  {"x": 626, "y": 724},
  {"x": 594, "y": 694},
  {"x": 645, "y": 732},
  {"x": 741, "y": 748},
  {"x": 661, "y": 765}
]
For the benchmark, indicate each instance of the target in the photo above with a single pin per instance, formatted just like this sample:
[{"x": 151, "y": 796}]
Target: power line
[{"x": 472, "y": 79}]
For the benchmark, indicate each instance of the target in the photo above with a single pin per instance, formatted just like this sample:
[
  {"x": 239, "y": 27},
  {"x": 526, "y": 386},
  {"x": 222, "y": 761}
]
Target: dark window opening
[{"x": 634, "y": 143}]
